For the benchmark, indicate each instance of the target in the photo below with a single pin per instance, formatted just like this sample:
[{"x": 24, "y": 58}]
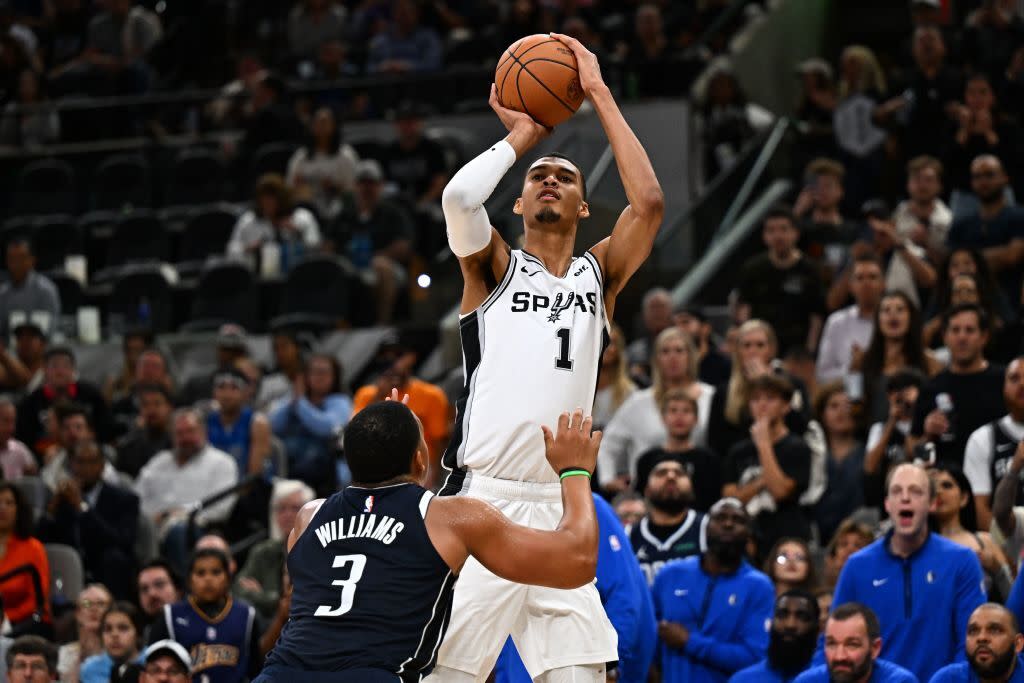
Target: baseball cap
[
  {"x": 815, "y": 65},
  {"x": 369, "y": 169},
  {"x": 30, "y": 326},
  {"x": 172, "y": 648},
  {"x": 231, "y": 336}
]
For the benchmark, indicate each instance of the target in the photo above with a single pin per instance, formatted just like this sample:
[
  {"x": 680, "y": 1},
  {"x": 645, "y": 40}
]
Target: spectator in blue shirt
[
  {"x": 994, "y": 644},
  {"x": 407, "y": 45},
  {"x": 714, "y": 609},
  {"x": 852, "y": 644},
  {"x": 792, "y": 642}
]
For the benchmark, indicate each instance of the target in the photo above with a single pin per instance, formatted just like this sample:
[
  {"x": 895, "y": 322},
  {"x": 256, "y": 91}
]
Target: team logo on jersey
[
  {"x": 368, "y": 505},
  {"x": 613, "y": 541},
  {"x": 562, "y": 302},
  {"x": 528, "y": 273},
  {"x": 211, "y": 633}
]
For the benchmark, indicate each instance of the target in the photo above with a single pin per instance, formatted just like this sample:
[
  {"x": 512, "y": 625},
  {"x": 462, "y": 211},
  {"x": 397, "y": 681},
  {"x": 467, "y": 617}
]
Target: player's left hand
[
  {"x": 672, "y": 634},
  {"x": 590, "y": 70},
  {"x": 394, "y": 397}
]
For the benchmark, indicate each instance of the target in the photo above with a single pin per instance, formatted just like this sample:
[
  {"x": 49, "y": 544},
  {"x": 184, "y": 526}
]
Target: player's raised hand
[
  {"x": 573, "y": 446},
  {"x": 517, "y": 121},
  {"x": 590, "y": 70}
]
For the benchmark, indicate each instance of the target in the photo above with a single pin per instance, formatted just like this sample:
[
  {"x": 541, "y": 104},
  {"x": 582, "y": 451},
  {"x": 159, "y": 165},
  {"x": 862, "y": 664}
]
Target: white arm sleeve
[{"x": 469, "y": 228}]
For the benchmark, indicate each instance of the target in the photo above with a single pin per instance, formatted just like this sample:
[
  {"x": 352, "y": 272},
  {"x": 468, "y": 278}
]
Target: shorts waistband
[{"x": 507, "y": 489}]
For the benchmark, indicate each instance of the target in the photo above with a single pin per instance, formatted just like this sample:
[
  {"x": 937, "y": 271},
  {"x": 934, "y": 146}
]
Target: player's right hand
[
  {"x": 517, "y": 120},
  {"x": 573, "y": 446}
]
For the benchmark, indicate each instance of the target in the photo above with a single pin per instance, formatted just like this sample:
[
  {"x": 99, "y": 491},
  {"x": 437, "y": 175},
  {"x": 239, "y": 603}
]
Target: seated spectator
[
  {"x": 963, "y": 397},
  {"x": 993, "y": 646},
  {"x": 32, "y": 659},
  {"x": 782, "y": 286},
  {"x": 850, "y": 537},
  {"x": 377, "y": 236},
  {"x": 157, "y": 586},
  {"x": 151, "y": 433},
  {"x": 95, "y": 518},
  {"x": 613, "y": 383},
  {"x": 311, "y": 23},
  {"x": 877, "y": 577},
  {"x": 790, "y": 567},
  {"x": 310, "y": 420},
  {"x": 791, "y": 641},
  {"x": 119, "y": 385},
  {"x": 73, "y": 428},
  {"x": 679, "y": 413},
  {"x": 93, "y": 601},
  {"x": 638, "y": 425},
  {"x": 862, "y": 86},
  {"x": 15, "y": 458},
  {"x": 853, "y": 642},
  {"x": 219, "y": 543},
  {"x": 150, "y": 370},
  {"x": 27, "y": 295},
  {"x": 825, "y": 234},
  {"x": 30, "y": 120},
  {"x": 845, "y": 459},
  {"x": 60, "y": 383},
  {"x": 923, "y": 217},
  {"x": 955, "y": 518},
  {"x": 19, "y": 547},
  {"x": 726, "y": 119},
  {"x": 231, "y": 346},
  {"x": 288, "y": 349},
  {"x": 121, "y": 635},
  {"x": 710, "y": 634},
  {"x": 656, "y": 317},
  {"x": 274, "y": 219},
  {"x": 771, "y": 470},
  {"x": 888, "y": 443},
  {"x": 324, "y": 170},
  {"x": 22, "y": 372},
  {"x": 629, "y": 507},
  {"x": 259, "y": 581},
  {"x": 847, "y": 332},
  {"x": 234, "y": 427},
  {"x": 405, "y": 45},
  {"x": 715, "y": 366},
  {"x": 982, "y": 131},
  {"x": 997, "y": 228}
]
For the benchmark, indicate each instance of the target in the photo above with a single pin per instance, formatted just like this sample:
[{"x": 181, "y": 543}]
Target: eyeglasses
[
  {"x": 90, "y": 604},
  {"x": 783, "y": 558}
]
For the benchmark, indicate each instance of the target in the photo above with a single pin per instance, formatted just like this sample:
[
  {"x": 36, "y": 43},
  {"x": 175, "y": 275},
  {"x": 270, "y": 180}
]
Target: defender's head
[
  {"x": 384, "y": 442},
  {"x": 554, "y": 192}
]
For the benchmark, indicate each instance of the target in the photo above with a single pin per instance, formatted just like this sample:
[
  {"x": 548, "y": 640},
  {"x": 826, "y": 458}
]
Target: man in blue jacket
[
  {"x": 714, "y": 609},
  {"x": 994, "y": 644},
  {"x": 922, "y": 587},
  {"x": 791, "y": 643},
  {"x": 852, "y": 643},
  {"x": 626, "y": 599}
]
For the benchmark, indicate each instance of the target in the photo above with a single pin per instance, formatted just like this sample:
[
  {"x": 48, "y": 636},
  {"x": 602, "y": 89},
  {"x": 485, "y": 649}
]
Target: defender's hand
[{"x": 573, "y": 446}]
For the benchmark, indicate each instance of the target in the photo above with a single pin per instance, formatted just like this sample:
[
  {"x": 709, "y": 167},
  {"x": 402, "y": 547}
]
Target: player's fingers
[
  {"x": 577, "y": 419},
  {"x": 549, "y": 438},
  {"x": 588, "y": 424},
  {"x": 563, "y": 423}
]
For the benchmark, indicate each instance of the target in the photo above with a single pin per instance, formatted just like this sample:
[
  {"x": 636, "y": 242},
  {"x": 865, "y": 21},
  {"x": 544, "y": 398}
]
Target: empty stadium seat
[
  {"x": 270, "y": 158},
  {"x": 141, "y": 297},
  {"x": 196, "y": 177},
  {"x": 53, "y": 239},
  {"x": 67, "y": 576},
  {"x": 138, "y": 236},
  {"x": 206, "y": 234},
  {"x": 46, "y": 186},
  {"x": 317, "y": 293},
  {"x": 226, "y": 293},
  {"x": 122, "y": 181}
]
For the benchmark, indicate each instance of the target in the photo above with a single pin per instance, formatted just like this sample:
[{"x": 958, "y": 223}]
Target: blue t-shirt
[
  {"x": 882, "y": 672},
  {"x": 760, "y": 673},
  {"x": 974, "y": 231},
  {"x": 962, "y": 673}
]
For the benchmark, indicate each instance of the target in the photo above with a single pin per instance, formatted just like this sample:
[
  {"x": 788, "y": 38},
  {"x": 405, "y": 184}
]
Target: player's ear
[
  {"x": 419, "y": 464},
  {"x": 517, "y": 208},
  {"x": 584, "y": 210}
]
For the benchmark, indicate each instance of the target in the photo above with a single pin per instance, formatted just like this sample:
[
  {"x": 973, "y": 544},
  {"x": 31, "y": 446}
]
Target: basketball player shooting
[{"x": 534, "y": 324}]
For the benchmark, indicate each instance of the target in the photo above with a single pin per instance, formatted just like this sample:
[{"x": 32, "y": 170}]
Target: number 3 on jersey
[
  {"x": 562, "y": 360},
  {"x": 348, "y": 586}
]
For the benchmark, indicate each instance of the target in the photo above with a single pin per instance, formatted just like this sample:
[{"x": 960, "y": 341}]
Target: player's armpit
[{"x": 482, "y": 271}]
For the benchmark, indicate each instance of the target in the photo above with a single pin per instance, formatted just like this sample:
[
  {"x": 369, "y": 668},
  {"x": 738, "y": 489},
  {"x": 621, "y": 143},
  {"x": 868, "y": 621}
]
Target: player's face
[
  {"x": 553, "y": 191},
  {"x": 119, "y": 636},
  {"x": 992, "y": 643},
  {"x": 908, "y": 500},
  {"x": 209, "y": 580},
  {"x": 849, "y": 651},
  {"x": 1013, "y": 387}
]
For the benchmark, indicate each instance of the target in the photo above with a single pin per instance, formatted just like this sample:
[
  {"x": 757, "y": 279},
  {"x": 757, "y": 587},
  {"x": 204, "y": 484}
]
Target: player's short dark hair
[
  {"x": 848, "y": 610},
  {"x": 579, "y": 169},
  {"x": 380, "y": 442},
  {"x": 773, "y": 384},
  {"x": 33, "y": 645},
  {"x": 984, "y": 323},
  {"x": 781, "y": 211},
  {"x": 205, "y": 553}
]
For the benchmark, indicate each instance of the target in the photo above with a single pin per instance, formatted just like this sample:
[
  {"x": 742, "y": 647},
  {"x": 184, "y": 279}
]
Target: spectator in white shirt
[
  {"x": 273, "y": 218},
  {"x": 848, "y": 330},
  {"x": 325, "y": 168},
  {"x": 923, "y": 218}
]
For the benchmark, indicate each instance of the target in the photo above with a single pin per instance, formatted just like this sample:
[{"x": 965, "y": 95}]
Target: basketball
[{"x": 538, "y": 76}]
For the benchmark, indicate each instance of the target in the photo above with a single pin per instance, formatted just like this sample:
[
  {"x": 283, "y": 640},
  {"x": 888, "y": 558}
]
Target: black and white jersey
[{"x": 653, "y": 553}]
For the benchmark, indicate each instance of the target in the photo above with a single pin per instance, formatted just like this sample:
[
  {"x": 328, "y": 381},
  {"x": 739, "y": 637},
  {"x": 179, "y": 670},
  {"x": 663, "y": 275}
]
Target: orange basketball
[{"x": 538, "y": 75}]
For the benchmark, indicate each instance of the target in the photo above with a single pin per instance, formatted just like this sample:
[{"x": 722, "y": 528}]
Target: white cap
[{"x": 171, "y": 647}]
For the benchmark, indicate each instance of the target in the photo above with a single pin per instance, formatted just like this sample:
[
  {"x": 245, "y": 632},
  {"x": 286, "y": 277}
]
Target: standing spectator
[
  {"x": 30, "y": 120},
  {"x": 639, "y": 424},
  {"x": 32, "y": 659},
  {"x": 96, "y": 519},
  {"x": 119, "y": 385},
  {"x": 850, "y": 537},
  {"x": 60, "y": 383},
  {"x": 310, "y": 420},
  {"x": 782, "y": 286},
  {"x": 726, "y": 119},
  {"x": 93, "y": 601},
  {"x": 815, "y": 108},
  {"x": 19, "y": 547},
  {"x": 274, "y": 219},
  {"x": 713, "y": 609},
  {"x": 993, "y": 645},
  {"x": 714, "y": 366},
  {"x": 826, "y": 235},
  {"x": 27, "y": 295},
  {"x": 272, "y": 119},
  {"x": 911, "y": 575},
  {"x": 992, "y": 33},
  {"x": 790, "y": 567},
  {"x": 234, "y": 427},
  {"x": 966, "y": 395},
  {"x": 845, "y": 459},
  {"x": 310, "y": 24},
  {"x": 22, "y": 372},
  {"x": 656, "y": 316},
  {"x": 288, "y": 349},
  {"x": 15, "y": 458},
  {"x": 324, "y": 169},
  {"x": 861, "y": 88},
  {"x": 152, "y": 432},
  {"x": 923, "y": 217},
  {"x": 888, "y": 442},
  {"x": 121, "y": 633},
  {"x": 406, "y": 45},
  {"x": 157, "y": 586},
  {"x": 769, "y": 471},
  {"x": 672, "y": 529},
  {"x": 377, "y": 236},
  {"x": 679, "y": 412},
  {"x": 989, "y": 455},
  {"x": 613, "y": 383},
  {"x": 981, "y": 131},
  {"x": 791, "y": 642},
  {"x": 848, "y": 330},
  {"x": 853, "y": 642}
]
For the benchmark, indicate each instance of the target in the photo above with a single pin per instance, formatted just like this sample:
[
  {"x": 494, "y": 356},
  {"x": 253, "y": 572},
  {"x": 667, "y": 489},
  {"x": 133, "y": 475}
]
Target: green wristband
[{"x": 573, "y": 473}]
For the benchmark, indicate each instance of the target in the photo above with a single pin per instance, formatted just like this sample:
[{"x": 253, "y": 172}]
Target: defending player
[{"x": 534, "y": 324}]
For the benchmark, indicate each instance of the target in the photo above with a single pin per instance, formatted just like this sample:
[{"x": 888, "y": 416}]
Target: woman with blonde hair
[
  {"x": 613, "y": 383},
  {"x": 637, "y": 426}
]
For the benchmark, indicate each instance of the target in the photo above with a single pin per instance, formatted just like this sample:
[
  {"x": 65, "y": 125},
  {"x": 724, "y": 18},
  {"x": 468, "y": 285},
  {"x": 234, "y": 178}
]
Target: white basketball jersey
[{"x": 530, "y": 352}]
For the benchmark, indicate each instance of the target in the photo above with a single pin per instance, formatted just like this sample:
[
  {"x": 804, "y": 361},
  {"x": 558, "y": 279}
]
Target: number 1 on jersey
[
  {"x": 562, "y": 361},
  {"x": 348, "y": 586}
]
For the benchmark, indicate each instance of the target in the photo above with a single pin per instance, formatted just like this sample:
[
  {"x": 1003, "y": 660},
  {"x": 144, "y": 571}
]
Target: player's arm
[
  {"x": 483, "y": 255},
  {"x": 631, "y": 240},
  {"x": 563, "y": 558}
]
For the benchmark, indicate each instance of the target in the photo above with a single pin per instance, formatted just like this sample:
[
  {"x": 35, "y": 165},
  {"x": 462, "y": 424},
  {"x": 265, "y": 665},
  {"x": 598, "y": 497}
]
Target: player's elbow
[
  {"x": 456, "y": 198},
  {"x": 651, "y": 203},
  {"x": 579, "y": 569}
]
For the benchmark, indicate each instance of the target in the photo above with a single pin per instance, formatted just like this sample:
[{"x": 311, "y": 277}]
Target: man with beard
[
  {"x": 852, "y": 643},
  {"x": 994, "y": 641},
  {"x": 791, "y": 643},
  {"x": 671, "y": 530},
  {"x": 714, "y": 609}
]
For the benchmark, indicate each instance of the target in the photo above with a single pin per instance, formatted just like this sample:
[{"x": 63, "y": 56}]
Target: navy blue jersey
[
  {"x": 370, "y": 591},
  {"x": 219, "y": 645},
  {"x": 653, "y": 553}
]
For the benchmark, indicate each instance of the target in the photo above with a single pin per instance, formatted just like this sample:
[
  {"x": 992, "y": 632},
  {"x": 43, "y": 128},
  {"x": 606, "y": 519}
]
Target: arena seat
[
  {"x": 67, "y": 576},
  {"x": 46, "y": 186}
]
